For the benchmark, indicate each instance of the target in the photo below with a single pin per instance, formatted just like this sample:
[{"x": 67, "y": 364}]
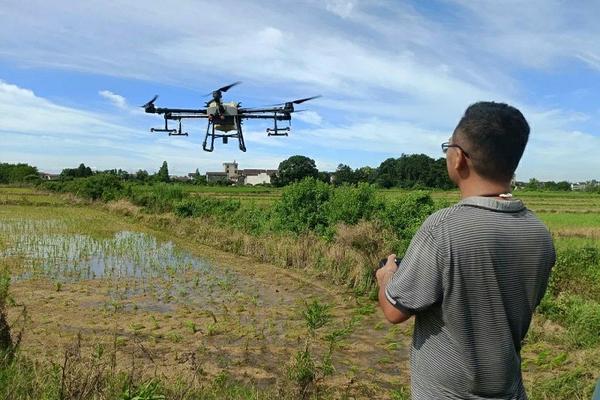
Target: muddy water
[{"x": 187, "y": 312}]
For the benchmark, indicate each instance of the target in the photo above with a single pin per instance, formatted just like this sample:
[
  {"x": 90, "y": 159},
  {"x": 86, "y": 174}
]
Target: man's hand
[{"x": 384, "y": 275}]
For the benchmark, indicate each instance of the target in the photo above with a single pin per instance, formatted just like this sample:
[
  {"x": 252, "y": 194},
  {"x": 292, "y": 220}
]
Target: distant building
[
  {"x": 233, "y": 174},
  {"x": 231, "y": 169},
  {"x": 256, "y": 176},
  {"x": 177, "y": 178},
  {"x": 579, "y": 186},
  {"x": 213, "y": 177},
  {"x": 48, "y": 177}
]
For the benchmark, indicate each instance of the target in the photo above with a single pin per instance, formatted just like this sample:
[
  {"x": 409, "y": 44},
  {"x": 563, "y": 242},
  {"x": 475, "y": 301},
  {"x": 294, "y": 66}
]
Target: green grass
[{"x": 556, "y": 221}]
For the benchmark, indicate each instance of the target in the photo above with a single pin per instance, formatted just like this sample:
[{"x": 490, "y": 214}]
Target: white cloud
[
  {"x": 24, "y": 112},
  {"x": 310, "y": 117},
  {"x": 342, "y": 8},
  {"x": 115, "y": 99}
]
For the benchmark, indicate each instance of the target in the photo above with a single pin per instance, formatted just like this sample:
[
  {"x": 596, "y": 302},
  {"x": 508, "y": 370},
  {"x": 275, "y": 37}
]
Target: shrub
[
  {"x": 405, "y": 215},
  {"x": 101, "y": 187},
  {"x": 104, "y": 187},
  {"x": 156, "y": 198},
  {"x": 302, "y": 206},
  {"x": 349, "y": 204}
]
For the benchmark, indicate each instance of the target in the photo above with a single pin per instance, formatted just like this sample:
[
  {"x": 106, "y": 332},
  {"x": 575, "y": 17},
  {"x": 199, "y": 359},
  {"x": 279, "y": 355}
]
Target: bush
[
  {"x": 101, "y": 187},
  {"x": 302, "y": 207},
  {"x": 349, "y": 204},
  {"x": 156, "y": 198},
  {"x": 405, "y": 215},
  {"x": 104, "y": 187}
]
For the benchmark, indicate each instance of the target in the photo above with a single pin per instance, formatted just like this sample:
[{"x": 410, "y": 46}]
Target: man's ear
[{"x": 459, "y": 163}]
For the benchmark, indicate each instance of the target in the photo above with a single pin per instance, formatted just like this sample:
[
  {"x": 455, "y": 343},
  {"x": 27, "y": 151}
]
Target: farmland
[{"x": 151, "y": 296}]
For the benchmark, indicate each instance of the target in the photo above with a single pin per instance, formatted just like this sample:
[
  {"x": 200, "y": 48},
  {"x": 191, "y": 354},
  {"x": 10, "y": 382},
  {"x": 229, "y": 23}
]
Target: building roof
[
  {"x": 251, "y": 171},
  {"x": 216, "y": 174}
]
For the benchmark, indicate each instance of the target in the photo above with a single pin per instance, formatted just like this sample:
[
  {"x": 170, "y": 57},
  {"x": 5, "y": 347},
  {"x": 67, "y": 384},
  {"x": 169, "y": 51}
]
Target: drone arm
[{"x": 200, "y": 111}]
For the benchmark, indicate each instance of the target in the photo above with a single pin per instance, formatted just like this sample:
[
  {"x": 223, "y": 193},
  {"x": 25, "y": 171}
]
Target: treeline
[
  {"x": 409, "y": 171},
  {"x": 141, "y": 175},
  {"x": 17, "y": 173},
  {"x": 412, "y": 171},
  {"x": 535, "y": 184}
]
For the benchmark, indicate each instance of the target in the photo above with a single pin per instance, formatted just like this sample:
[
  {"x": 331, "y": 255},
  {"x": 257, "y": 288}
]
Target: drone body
[
  {"x": 225, "y": 122},
  {"x": 225, "y": 119}
]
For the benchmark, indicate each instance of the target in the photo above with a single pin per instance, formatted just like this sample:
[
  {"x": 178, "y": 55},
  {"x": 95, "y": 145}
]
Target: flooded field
[{"x": 165, "y": 307}]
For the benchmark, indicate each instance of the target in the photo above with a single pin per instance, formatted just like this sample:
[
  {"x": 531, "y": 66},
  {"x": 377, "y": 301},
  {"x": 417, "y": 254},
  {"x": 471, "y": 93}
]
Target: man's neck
[{"x": 482, "y": 187}]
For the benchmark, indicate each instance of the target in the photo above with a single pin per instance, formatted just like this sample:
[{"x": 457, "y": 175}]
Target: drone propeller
[
  {"x": 299, "y": 101},
  {"x": 151, "y": 102},
  {"x": 224, "y": 88}
]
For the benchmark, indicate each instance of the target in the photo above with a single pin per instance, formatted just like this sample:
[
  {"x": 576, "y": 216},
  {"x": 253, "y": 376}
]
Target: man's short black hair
[{"x": 494, "y": 135}]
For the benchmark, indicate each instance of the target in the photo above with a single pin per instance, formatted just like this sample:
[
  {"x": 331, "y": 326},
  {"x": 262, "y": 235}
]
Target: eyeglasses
[{"x": 447, "y": 145}]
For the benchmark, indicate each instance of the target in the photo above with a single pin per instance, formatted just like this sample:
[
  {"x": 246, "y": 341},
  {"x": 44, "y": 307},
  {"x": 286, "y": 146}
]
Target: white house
[
  {"x": 232, "y": 174},
  {"x": 256, "y": 176}
]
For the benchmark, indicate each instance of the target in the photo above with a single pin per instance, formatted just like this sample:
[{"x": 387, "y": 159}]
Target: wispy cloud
[{"x": 115, "y": 99}]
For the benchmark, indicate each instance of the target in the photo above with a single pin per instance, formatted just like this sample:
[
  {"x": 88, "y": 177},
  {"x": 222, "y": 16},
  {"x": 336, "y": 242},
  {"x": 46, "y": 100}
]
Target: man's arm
[{"x": 384, "y": 275}]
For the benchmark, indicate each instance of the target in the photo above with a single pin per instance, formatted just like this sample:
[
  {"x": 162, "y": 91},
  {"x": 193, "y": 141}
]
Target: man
[{"x": 474, "y": 272}]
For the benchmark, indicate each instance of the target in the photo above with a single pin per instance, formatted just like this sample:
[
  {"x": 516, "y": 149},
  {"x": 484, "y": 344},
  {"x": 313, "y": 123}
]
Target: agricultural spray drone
[{"x": 225, "y": 119}]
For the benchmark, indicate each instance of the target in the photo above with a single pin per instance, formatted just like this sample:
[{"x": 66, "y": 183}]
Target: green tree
[
  {"x": 295, "y": 169},
  {"x": 198, "y": 179},
  {"x": 12, "y": 173},
  {"x": 413, "y": 171},
  {"x": 142, "y": 175},
  {"x": 325, "y": 176},
  {"x": 365, "y": 174},
  {"x": 163, "y": 173},
  {"x": 80, "y": 172},
  {"x": 534, "y": 184},
  {"x": 344, "y": 174},
  {"x": 388, "y": 173},
  {"x": 563, "y": 185}
]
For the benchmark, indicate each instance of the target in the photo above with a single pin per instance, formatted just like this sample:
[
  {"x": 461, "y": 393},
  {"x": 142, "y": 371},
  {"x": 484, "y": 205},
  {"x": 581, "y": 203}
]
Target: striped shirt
[{"x": 472, "y": 276}]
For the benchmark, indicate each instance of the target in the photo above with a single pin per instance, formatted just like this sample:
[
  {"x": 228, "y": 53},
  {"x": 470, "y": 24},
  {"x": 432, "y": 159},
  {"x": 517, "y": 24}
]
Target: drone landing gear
[
  {"x": 171, "y": 132},
  {"x": 178, "y": 132},
  {"x": 278, "y": 131},
  {"x": 275, "y": 131},
  {"x": 210, "y": 133}
]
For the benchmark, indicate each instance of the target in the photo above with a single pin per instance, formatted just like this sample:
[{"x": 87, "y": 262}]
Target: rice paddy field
[{"x": 94, "y": 293}]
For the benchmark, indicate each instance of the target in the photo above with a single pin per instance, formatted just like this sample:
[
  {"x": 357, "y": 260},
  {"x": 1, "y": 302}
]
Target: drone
[{"x": 225, "y": 119}]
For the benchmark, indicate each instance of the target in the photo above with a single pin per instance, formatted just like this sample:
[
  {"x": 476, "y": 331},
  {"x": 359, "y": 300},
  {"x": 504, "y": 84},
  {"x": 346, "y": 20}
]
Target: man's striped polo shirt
[{"x": 472, "y": 276}]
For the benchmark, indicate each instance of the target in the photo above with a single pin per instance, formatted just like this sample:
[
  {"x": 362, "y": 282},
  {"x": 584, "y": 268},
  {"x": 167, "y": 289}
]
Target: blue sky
[{"x": 395, "y": 78}]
